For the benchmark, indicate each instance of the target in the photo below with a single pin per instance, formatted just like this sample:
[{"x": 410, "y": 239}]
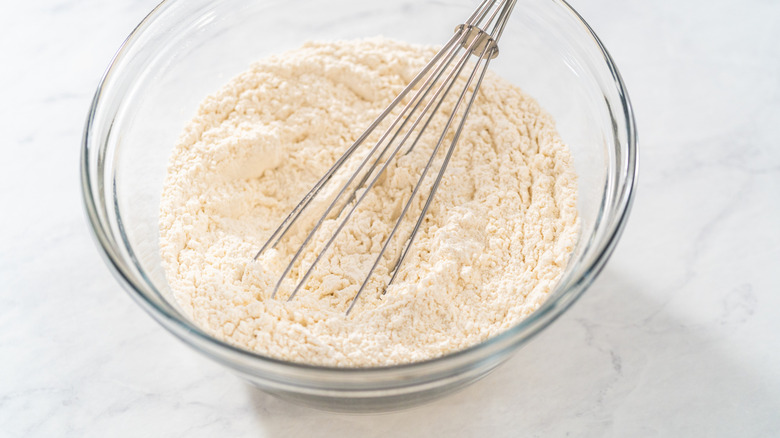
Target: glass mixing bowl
[{"x": 185, "y": 50}]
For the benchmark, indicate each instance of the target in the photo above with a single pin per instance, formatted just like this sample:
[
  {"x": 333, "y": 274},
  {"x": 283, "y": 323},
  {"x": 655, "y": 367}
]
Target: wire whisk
[{"x": 476, "y": 39}]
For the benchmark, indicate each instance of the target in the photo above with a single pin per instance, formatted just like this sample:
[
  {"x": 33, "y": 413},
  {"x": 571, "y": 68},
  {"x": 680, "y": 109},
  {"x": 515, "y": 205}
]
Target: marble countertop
[{"x": 679, "y": 336}]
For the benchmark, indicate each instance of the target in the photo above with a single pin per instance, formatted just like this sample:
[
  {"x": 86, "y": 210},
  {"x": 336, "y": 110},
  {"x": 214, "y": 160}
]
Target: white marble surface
[{"x": 678, "y": 337}]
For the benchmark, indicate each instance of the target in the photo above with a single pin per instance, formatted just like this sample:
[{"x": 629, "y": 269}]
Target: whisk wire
[
  {"x": 287, "y": 223},
  {"x": 422, "y": 177},
  {"x": 417, "y": 99},
  {"x": 344, "y": 187},
  {"x": 441, "y": 91},
  {"x": 436, "y": 183}
]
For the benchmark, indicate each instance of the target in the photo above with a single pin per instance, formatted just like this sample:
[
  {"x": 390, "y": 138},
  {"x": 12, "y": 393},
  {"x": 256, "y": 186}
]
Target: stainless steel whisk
[{"x": 478, "y": 36}]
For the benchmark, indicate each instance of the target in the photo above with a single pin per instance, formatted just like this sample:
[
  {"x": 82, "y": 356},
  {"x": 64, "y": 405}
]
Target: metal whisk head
[{"x": 477, "y": 38}]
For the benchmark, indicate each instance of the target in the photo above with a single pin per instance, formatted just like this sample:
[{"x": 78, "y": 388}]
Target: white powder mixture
[{"x": 494, "y": 243}]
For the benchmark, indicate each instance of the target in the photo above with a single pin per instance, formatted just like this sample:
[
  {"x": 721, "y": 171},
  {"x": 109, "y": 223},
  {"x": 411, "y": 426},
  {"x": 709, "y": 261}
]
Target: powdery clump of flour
[{"x": 494, "y": 243}]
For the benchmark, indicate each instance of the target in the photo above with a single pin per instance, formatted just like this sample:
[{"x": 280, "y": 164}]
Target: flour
[{"x": 493, "y": 245}]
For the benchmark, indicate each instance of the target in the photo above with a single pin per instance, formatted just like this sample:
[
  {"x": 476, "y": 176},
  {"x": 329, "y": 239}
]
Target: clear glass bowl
[{"x": 185, "y": 50}]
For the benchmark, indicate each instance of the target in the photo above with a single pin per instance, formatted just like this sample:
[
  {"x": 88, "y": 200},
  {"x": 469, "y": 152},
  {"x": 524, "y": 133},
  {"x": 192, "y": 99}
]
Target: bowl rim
[{"x": 524, "y": 330}]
